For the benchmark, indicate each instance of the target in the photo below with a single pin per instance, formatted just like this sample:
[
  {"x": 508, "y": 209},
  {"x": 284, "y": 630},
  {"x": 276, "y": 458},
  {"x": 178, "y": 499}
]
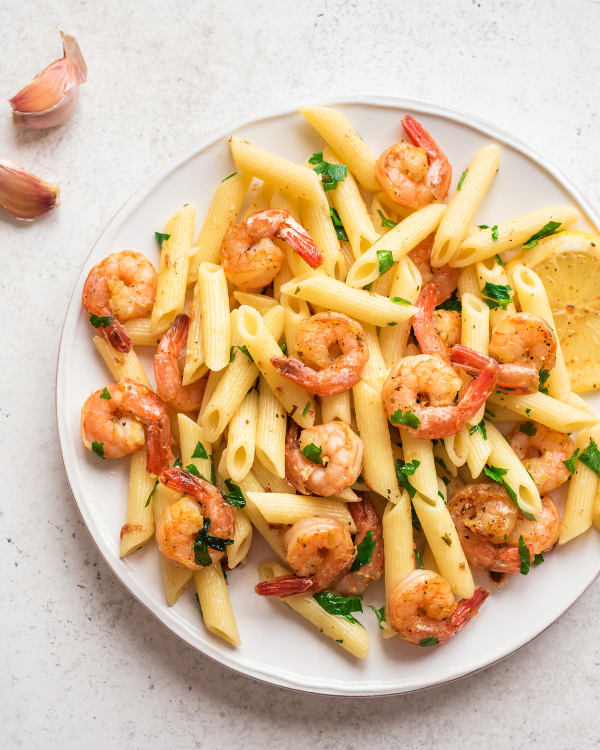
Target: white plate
[{"x": 277, "y": 645}]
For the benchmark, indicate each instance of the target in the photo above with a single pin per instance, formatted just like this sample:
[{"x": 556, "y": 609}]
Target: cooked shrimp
[
  {"x": 168, "y": 372},
  {"x": 542, "y": 454},
  {"x": 251, "y": 259},
  {"x": 522, "y": 343},
  {"x": 319, "y": 551},
  {"x": 365, "y": 519},
  {"x": 113, "y": 418},
  {"x": 448, "y": 326},
  {"x": 176, "y": 533},
  {"x": 336, "y": 373},
  {"x": 336, "y": 447},
  {"x": 121, "y": 287},
  {"x": 489, "y": 526},
  {"x": 212, "y": 503},
  {"x": 422, "y": 607},
  {"x": 427, "y": 386},
  {"x": 444, "y": 278},
  {"x": 414, "y": 175}
]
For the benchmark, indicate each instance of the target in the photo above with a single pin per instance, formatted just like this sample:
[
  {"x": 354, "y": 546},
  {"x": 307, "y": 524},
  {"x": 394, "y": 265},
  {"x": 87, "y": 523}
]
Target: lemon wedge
[{"x": 568, "y": 264}]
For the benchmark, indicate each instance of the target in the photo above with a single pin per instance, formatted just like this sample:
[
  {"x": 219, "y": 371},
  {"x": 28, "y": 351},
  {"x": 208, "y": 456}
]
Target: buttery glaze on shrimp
[
  {"x": 427, "y": 386},
  {"x": 341, "y": 452},
  {"x": 489, "y": 526},
  {"x": 543, "y": 454},
  {"x": 251, "y": 259},
  {"x": 422, "y": 607},
  {"x": 176, "y": 533},
  {"x": 123, "y": 286},
  {"x": 167, "y": 370},
  {"x": 414, "y": 175},
  {"x": 317, "y": 335},
  {"x": 522, "y": 343},
  {"x": 319, "y": 550},
  {"x": 117, "y": 416},
  {"x": 365, "y": 519}
]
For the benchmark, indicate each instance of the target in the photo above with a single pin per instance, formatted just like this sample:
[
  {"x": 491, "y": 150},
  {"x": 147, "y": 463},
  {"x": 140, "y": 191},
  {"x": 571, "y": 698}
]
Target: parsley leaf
[
  {"x": 340, "y": 641},
  {"x": 479, "y": 428},
  {"x": 283, "y": 348},
  {"x": 496, "y": 295},
  {"x": 340, "y": 605},
  {"x": 414, "y": 518},
  {"x": 331, "y": 174},
  {"x": 446, "y": 539},
  {"x": 528, "y": 428},
  {"x": 386, "y": 260},
  {"x": 364, "y": 551},
  {"x": 430, "y": 641},
  {"x": 243, "y": 349},
  {"x": 452, "y": 303},
  {"x": 545, "y": 231},
  {"x": 525, "y": 556},
  {"x": 386, "y": 222},
  {"x": 150, "y": 495},
  {"x": 98, "y": 449},
  {"x": 105, "y": 394},
  {"x": 235, "y": 496},
  {"x": 203, "y": 541},
  {"x": 99, "y": 321},
  {"x": 177, "y": 462},
  {"x": 230, "y": 176},
  {"x": 571, "y": 463},
  {"x": 483, "y": 226},
  {"x": 419, "y": 558},
  {"x": 527, "y": 411},
  {"x": 539, "y": 559},
  {"x": 379, "y": 614},
  {"x": 200, "y": 606},
  {"x": 337, "y": 225},
  {"x": 462, "y": 179},
  {"x": 400, "y": 301},
  {"x": 368, "y": 286},
  {"x": 408, "y": 419},
  {"x": 403, "y": 471},
  {"x": 160, "y": 238},
  {"x": 306, "y": 408},
  {"x": 313, "y": 453},
  {"x": 199, "y": 451},
  {"x": 544, "y": 375},
  {"x": 590, "y": 457},
  {"x": 495, "y": 233},
  {"x": 498, "y": 260},
  {"x": 194, "y": 470},
  {"x": 213, "y": 478},
  {"x": 393, "y": 324},
  {"x": 316, "y": 158},
  {"x": 297, "y": 290}
]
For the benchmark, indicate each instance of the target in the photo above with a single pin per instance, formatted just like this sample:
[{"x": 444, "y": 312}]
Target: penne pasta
[
  {"x": 194, "y": 367},
  {"x": 283, "y": 508},
  {"x": 475, "y": 332},
  {"x": 457, "y": 447},
  {"x": 260, "y": 302},
  {"x": 296, "y": 312},
  {"x": 261, "y": 201},
  {"x": 491, "y": 272},
  {"x": 375, "y": 371},
  {"x": 557, "y": 415},
  {"x": 139, "y": 521},
  {"x": 287, "y": 202},
  {"x": 270, "y": 430},
  {"x": 215, "y": 606},
  {"x": 336, "y": 407},
  {"x": 479, "y": 452},
  {"x": 420, "y": 454},
  {"x": 405, "y": 286},
  {"x": 583, "y": 489},
  {"x": 399, "y": 558},
  {"x": 214, "y": 304},
  {"x": 241, "y": 440},
  {"x": 271, "y": 482},
  {"x": 316, "y": 219},
  {"x": 139, "y": 330},
  {"x": 175, "y": 579},
  {"x": 122, "y": 365}
]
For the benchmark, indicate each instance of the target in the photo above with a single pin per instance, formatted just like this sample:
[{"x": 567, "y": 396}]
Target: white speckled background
[{"x": 82, "y": 663}]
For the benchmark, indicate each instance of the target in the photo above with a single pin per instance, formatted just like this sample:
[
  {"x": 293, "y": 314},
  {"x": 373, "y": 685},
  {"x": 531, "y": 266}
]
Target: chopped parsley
[
  {"x": 462, "y": 179},
  {"x": 544, "y": 375},
  {"x": 98, "y": 449},
  {"x": 177, "y": 463},
  {"x": 400, "y": 301},
  {"x": 379, "y": 614},
  {"x": 203, "y": 541},
  {"x": 441, "y": 495},
  {"x": 100, "y": 321},
  {"x": 571, "y": 463},
  {"x": 525, "y": 556},
  {"x": 368, "y": 286},
  {"x": 213, "y": 478},
  {"x": 495, "y": 233},
  {"x": 385, "y": 222},
  {"x": 539, "y": 559},
  {"x": 479, "y": 428},
  {"x": 590, "y": 457},
  {"x": 403, "y": 471},
  {"x": 316, "y": 158},
  {"x": 200, "y": 606},
  {"x": 340, "y": 641},
  {"x": 452, "y": 303},
  {"x": 498, "y": 260},
  {"x": 313, "y": 453},
  {"x": 386, "y": 260},
  {"x": 105, "y": 394},
  {"x": 419, "y": 558},
  {"x": 545, "y": 231},
  {"x": 483, "y": 226},
  {"x": 297, "y": 290},
  {"x": 199, "y": 451},
  {"x": 160, "y": 238},
  {"x": 414, "y": 518},
  {"x": 337, "y": 225},
  {"x": 235, "y": 496},
  {"x": 528, "y": 411},
  {"x": 243, "y": 349},
  {"x": 233, "y": 174},
  {"x": 497, "y": 475},
  {"x": 331, "y": 174},
  {"x": 306, "y": 408},
  {"x": 152, "y": 493},
  {"x": 364, "y": 551},
  {"x": 340, "y": 605},
  {"x": 193, "y": 469},
  {"x": 446, "y": 539},
  {"x": 430, "y": 641},
  {"x": 496, "y": 295},
  {"x": 283, "y": 347},
  {"x": 528, "y": 428},
  {"x": 408, "y": 419},
  {"x": 393, "y": 324}
]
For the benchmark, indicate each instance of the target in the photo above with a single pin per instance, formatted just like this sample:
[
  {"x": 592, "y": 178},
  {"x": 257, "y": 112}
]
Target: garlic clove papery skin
[
  {"x": 23, "y": 194},
  {"x": 51, "y": 97}
]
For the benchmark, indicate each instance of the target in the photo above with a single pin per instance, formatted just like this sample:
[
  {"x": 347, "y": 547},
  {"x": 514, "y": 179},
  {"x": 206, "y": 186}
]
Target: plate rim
[{"x": 206, "y": 141}]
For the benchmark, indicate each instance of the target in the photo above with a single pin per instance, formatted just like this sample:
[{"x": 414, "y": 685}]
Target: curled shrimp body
[
  {"x": 341, "y": 453},
  {"x": 365, "y": 519},
  {"x": 116, "y": 418},
  {"x": 489, "y": 526},
  {"x": 414, "y": 175},
  {"x": 176, "y": 532},
  {"x": 167, "y": 370},
  {"x": 336, "y": 374},
  {"x": 123, "y": 285},
  {"x": 320, "y": 551},
  {"x": 251, "y": 259},
  {"x": 428, "y": 386},
  {"x": 522, "y": 343},
  {"x": 542, "y": 454},
  {"x": 422, "y": 606},
  {"x": 211, "y": 502}
]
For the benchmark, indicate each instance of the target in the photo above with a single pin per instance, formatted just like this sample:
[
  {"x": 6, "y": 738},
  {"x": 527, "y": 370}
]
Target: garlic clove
[
  {"x": 50, "y": 98},
  {"x": 23, "y": 194}
]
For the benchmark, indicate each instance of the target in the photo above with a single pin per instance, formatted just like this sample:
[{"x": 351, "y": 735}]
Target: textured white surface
[{"x": 83, "y": 663}]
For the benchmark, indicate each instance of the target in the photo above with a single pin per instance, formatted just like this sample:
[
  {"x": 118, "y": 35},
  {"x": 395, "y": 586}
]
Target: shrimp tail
[
  {"x": 176, "y": 337},
  {"x": 427, "y": 336},
  {"x": 158, "y": 446},
  {"x": 116, "y": 335},
  {"x": 284, "y": 586},
  {"x": 299, "y": 240},
  {"x": 480, "y": 388},
  {"x": 296, "y": 371},
  {"x": 469, "y": 360},
  {"x": 420, "y": 137},
  {"x": 518, "y": 378},
  {"x": 466, "y": 610},
  {"x": 184, "y": 481}
]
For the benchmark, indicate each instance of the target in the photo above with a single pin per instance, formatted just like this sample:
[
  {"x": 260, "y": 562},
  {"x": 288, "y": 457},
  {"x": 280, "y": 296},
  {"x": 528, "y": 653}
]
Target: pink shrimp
[
  {"x": 542, "y": 452},
  {"x": 414, "y": 175},
  {"x": 168, "y": 373}
]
